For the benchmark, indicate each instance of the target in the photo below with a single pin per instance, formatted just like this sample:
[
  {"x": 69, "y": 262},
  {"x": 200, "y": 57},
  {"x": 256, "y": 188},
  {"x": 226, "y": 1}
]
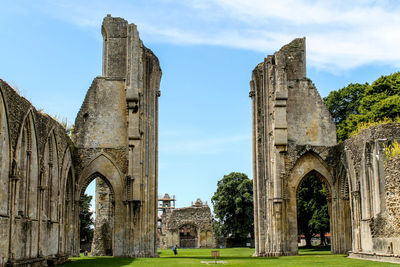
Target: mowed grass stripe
[{"x": 232, "y": 257}]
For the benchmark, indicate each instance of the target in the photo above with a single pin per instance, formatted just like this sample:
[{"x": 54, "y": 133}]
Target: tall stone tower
[
  {"x": 116, "y": 135},
  {"x": 292, "y": 130}
]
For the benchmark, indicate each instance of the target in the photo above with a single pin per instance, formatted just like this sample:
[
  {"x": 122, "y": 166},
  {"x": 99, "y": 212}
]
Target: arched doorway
[
  {"x": 188, "y": 236},
  {"x": 313, "y": 218},
  {"x": 4, "y": 177},
  {"x": 101, "y": 242},
  {"x": 336, "y": 191},
  {"x": 102, "y": 166}
]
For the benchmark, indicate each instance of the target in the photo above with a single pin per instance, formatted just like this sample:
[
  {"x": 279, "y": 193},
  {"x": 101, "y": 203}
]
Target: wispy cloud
[{"x": 340, "y": 34}]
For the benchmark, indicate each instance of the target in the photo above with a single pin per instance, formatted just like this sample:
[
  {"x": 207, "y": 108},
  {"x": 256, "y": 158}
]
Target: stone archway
[
  {"x": 188, "y": 236},
  {"x": 309, "y": 163},
  {"x": 312, "y": 182},
  {"x": 26, "y": 157},
  {"x": 68, "y": 242},
  {"x": 103, "y": 167},
  {"x": 68, "y": 213},
  {"x": 103, "y": 238}
]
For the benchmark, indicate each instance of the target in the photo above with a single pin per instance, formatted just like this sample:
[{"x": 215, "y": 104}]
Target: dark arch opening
[
  {"x": 97, "y": 216},
  {"x": 188, "y": 236},
  {"x": 313, "y": 211}
]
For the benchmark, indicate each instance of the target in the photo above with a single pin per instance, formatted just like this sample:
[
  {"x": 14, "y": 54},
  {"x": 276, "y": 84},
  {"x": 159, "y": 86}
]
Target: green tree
[
  {"x": 312, "y": 209},
  {"x": 364, "y": 103},
  {"x": 86, "y": 220},
  {"x": 345, "y": 101},
  {"x": 233, "y": 206}
]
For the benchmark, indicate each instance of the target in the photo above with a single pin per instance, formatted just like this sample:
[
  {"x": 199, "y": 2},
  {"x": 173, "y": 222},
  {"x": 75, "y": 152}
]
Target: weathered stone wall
[
  {"x": 35, "y": 153},
  {"x": 309, "y": 121},
  {"x": 294, "y": 136},
  {"x": 102, "y": 117},
  {"x": 102, "y": 237},
  {"x": 386, "y": 224},
  {"x": 374, "y": 192},
  {"x": 116, "y": 138},
  {"x": 198, "y": 217},
  {"x": 392, "y": 202},
  {"x": 293, "y": 133}
]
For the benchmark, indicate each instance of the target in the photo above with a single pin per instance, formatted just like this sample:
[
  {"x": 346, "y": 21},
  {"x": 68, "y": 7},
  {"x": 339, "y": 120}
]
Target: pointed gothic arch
[
  {"x": 4, "y": 157},
  {"x": 26, "y": 198},
  {"x": 339, "y": 211},
  {"x": 102, "y": 166},
  {"x": 4, "y": 175},
  {"x": 49, "y": 195},
  {"x": 309, "y": 163},
  {"x": 27, "y": 168},
  {"x": 51, "y": 179}
]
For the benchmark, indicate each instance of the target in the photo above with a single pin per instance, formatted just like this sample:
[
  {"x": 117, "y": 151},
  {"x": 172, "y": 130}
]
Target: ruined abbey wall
[
  {"x": 116, "y": 137},
  {"x": 292, "y": 129},
  {"x": 36, "y": 214},
  {"x": 374, "y": 193},
  {"x": 103, "y": 226},
  {"x": 44, "y": 175},
  {"x": 294, "y": 136},
  {"x": 199, "y": 217}
]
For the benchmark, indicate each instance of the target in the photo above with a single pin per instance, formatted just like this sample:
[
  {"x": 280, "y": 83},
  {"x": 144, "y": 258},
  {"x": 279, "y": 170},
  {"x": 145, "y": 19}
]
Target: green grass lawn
[{"x": 232, "y": 257}]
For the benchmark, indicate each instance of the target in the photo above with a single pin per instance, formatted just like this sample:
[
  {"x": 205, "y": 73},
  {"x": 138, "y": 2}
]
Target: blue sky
[{"x": 51, "y": 51}]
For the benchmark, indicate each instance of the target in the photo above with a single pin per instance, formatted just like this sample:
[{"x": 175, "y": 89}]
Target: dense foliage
[
  {"x": 312, "y": 209},
  {"x": 362, "y": 103},
  {"x": 86, "y": 220},
  {"x": 233, "y": 206}
]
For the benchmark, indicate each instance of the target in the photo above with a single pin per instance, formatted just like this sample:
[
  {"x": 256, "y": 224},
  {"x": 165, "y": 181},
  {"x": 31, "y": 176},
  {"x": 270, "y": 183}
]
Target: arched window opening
[
  {"x": 188, "y": 236},
  {"x": 27, "y": 173},
  {"x": 4, "y": 159},
  {"x": 97, "y": 217},
  {"x": 313, "y": 218},
  {"x": 68, "y": 219}
]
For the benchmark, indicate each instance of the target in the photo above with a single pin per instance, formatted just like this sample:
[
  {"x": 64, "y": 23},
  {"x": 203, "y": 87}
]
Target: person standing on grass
[{"x": 175, "y": 250}]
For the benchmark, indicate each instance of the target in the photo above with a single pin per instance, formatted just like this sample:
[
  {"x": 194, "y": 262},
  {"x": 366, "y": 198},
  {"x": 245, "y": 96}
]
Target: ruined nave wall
[
  {"x": 35, "y": 163},
  {"x": 116, "y": 133},
  {"x": 374, "y": 193}
]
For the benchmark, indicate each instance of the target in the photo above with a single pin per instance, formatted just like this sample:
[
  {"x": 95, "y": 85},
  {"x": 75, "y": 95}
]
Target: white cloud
[{"x": 340, "y": 34}]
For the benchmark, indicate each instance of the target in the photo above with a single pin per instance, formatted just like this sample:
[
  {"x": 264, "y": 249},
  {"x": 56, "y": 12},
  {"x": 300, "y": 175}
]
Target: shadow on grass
[
  {"x": 317, "y": 250},
  {"x": 100, "y": 261}
]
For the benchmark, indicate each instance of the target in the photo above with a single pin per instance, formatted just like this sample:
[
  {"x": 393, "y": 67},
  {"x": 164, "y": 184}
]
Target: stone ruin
[
  {"x": 189, "y": 227},
  {"x": 102, "y": 237},
  {"x": 294, "y": 136},
  {"x": 44, "y": 174}
]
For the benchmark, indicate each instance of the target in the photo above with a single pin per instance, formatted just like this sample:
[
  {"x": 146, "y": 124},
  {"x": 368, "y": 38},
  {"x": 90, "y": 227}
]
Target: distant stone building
[
  {"x": 166, "y": 204},
  {"x": 43, "y": 174},
  {"x": 294, "y": 136},
  {"x": 189, "y": 227}
]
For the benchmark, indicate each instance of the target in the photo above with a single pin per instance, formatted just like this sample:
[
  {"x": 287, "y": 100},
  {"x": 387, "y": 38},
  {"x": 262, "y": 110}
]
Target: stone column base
[
  {"x": 39, "y": 261},
  {"x": 375, "y": 256}
]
